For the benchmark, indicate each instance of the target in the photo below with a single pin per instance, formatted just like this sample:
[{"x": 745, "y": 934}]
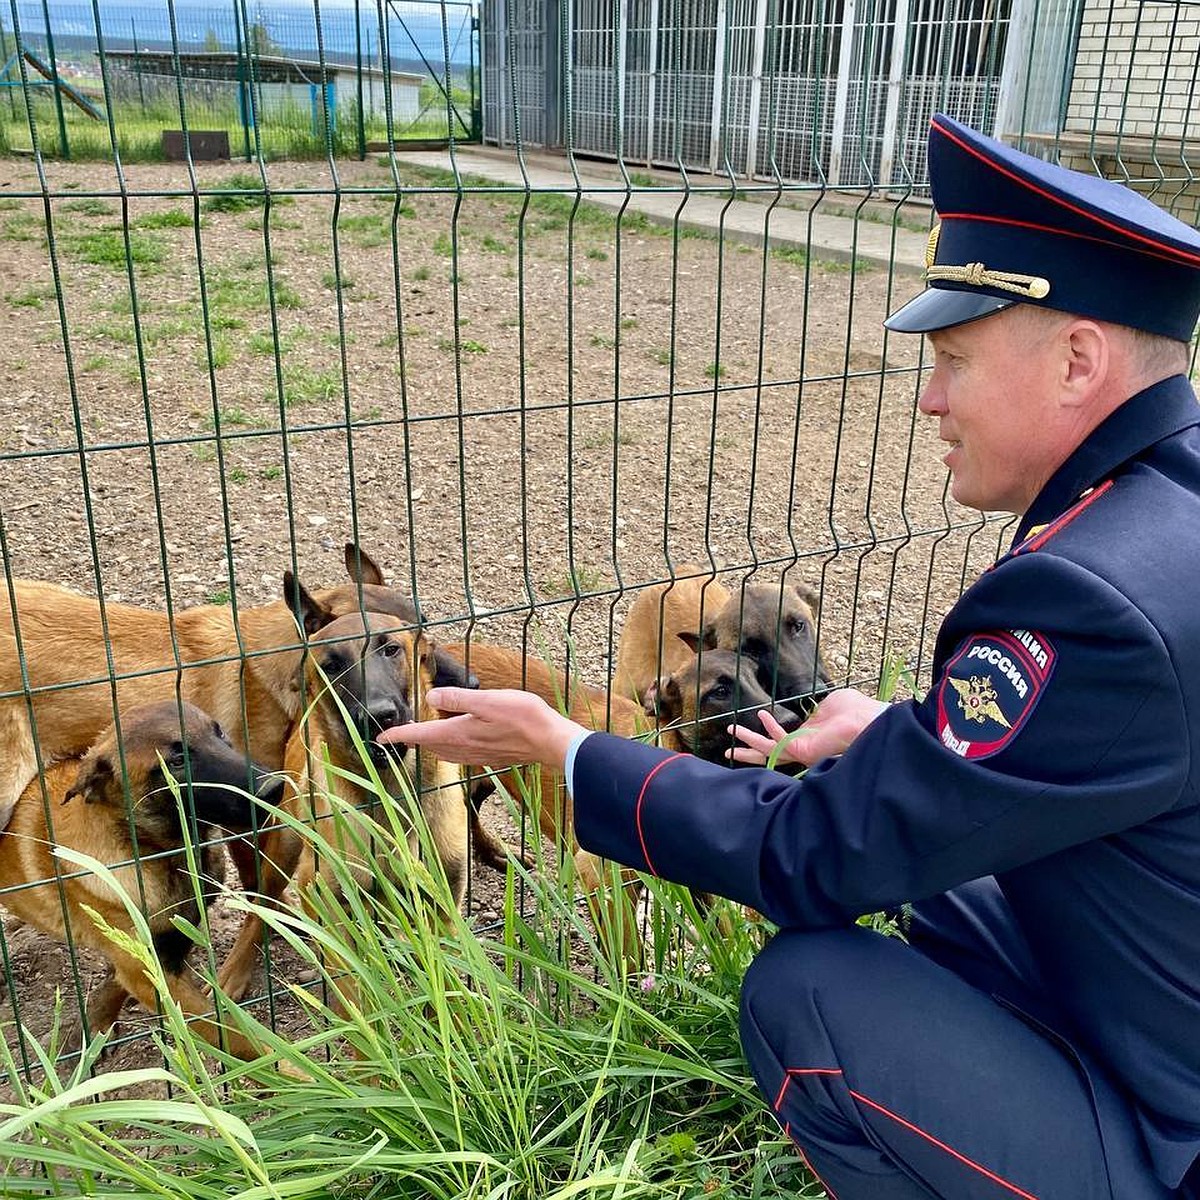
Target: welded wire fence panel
[
  {"x": 529, "y": 387},
  {"x": 392, "y": 70}
]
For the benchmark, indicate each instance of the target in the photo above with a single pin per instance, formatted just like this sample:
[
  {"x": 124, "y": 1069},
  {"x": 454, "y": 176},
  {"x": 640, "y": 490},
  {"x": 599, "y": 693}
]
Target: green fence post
[
  {"x": 362, "y": 125},
  {"x": 245, "y": 113},
  {"x": 137, "y": 64},
  {"x": 12, "y": 91},
  {"x": 58, "y": 104}
]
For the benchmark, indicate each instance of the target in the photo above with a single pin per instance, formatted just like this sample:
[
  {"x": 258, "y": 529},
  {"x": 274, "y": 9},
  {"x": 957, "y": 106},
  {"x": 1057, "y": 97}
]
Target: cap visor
[{"x": 941, "y": 308}]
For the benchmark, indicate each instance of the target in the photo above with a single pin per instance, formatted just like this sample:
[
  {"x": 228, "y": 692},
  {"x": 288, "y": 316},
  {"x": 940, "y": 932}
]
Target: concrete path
[{"x": 825, "y": 227}]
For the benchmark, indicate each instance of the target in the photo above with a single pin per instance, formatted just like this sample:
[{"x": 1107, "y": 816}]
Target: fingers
[{"x": 743, "y": 754}]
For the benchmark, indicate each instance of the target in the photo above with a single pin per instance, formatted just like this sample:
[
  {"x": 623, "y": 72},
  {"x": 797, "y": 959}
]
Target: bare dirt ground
[{"x": 522, "y": 419}]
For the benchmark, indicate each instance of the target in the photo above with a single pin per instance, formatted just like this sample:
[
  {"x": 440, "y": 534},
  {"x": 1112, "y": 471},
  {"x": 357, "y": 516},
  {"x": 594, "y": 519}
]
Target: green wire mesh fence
[{"x": 635, "y": 336}]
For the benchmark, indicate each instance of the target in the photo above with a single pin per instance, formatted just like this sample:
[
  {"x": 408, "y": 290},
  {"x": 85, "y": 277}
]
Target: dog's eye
[
  {"x": 219, "y": 733},
  {"x": 389, "y": 649},
  {"x": 175, "y": 756},
  {"x": 719, "y": 691},
  {"x": 795, "y": 626}
]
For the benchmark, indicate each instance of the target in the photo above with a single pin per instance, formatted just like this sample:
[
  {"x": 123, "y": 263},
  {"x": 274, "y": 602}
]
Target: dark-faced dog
[
  {"x": 774, "y": 626},
  {"x": 362, "y": 672},
  {"x": 88, "y": 813},
  {"x": 245, "y": 672},
  {"x": 714, "y": 689}
]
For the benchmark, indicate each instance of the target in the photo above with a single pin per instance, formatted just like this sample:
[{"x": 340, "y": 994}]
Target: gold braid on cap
[{"x": 977, "y": 275}]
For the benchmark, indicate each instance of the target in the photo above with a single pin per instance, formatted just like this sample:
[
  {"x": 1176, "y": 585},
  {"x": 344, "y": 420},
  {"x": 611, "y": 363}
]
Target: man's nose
[{"x": 932, "y": 399}]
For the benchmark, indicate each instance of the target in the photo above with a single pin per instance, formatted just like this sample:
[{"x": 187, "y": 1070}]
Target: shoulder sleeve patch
[{"x": 989, "y": 688}]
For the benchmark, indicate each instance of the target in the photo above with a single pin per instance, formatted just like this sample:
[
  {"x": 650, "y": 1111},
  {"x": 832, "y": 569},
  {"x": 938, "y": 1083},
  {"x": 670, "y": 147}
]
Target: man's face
[{"x": 994, "y": 388}]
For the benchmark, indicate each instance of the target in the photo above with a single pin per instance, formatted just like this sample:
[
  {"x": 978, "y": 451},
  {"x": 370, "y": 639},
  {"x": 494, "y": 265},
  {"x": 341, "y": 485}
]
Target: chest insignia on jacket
[{"x": 989, "y": 688}]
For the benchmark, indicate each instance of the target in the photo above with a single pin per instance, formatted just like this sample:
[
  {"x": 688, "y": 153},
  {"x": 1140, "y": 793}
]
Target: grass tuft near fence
[{"x": 520, "y": 1060}]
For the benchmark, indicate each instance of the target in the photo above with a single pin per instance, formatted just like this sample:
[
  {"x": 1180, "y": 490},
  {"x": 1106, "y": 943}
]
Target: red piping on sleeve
[{"x": 637, "y": 812}]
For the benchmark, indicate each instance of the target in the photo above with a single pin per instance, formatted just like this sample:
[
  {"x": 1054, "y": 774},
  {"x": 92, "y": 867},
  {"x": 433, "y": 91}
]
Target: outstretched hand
[
  {"x": 838, "y": 720},
  {"x": 494, "y": 727}
]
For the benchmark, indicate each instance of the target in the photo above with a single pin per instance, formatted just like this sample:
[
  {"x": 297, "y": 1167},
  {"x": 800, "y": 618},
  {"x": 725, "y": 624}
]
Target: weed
[
  {"x": 420, "y": 273},
  {"x": 577, "y": 582},
  {"x": 598, "y": 254},
  {"x": 368, "y": 231},
  {"x": 8, "y": 204},
  {"x": 236, "y": 194},
  {"x": 34, "y": 297},
  {"x": 204, "y": 452},
  {"x": 443, "y": 245},
  {"x": 274, "y": 471},
  {"x": 237, "y": 417},
  {"x": 173, "y": 218},
  {"x": 303, "y": 385},
  {"x": 90, "y": 207},
  {"x": 95, "y": 362},
  {"x": 238, "y": 475},
  {"x": 494, "y": 244},
  {"x": 473, "y": 347},
  {"x": 21, "y": 227},
  {"x": 221, "y": 595},
  {"x": 107, "y": 248},
  {"x": 334, "y": 282},
  {"x": 664, "y": 358},
  {"x": 603, "y": 342},
  {"x": 629, "y": 322},
  {"x": 795, "y": 255},
  {"x": 715, "y": 370},
  {"x": 583, "y": 281}
]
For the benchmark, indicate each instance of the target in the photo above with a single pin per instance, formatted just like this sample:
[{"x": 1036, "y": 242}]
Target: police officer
[{"x": 1036, "y": 818}]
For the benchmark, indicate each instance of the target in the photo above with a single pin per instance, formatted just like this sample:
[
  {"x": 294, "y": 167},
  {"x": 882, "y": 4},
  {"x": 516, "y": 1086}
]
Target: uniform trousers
[{"x": 919, "y": 1070}]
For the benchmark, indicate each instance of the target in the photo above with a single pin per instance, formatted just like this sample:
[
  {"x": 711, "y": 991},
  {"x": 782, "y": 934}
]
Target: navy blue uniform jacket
[{"x": 1058, "y": 749}]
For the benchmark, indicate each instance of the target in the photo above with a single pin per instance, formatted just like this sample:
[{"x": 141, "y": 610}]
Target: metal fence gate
[{"x": 830, "y": 91}]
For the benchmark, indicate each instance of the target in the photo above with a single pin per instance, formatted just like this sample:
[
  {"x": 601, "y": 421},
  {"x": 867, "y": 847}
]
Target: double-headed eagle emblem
[{"x": 977, "y": 699}]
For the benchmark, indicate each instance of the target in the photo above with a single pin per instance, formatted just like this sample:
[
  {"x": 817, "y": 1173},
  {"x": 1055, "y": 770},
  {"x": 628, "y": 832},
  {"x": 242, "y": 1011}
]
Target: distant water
[{"x": 414, "y": 28}]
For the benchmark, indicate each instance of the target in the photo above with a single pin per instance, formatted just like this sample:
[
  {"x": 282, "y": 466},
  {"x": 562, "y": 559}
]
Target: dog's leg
[{"x": 279, "y": 853}]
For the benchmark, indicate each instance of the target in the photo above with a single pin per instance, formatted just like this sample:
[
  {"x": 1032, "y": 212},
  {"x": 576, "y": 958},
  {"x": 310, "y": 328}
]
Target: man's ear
[
  {"x": 309, "y": 612},
  {"x": 1086, "y": 361},
  {"x": 94, "y": 780}
]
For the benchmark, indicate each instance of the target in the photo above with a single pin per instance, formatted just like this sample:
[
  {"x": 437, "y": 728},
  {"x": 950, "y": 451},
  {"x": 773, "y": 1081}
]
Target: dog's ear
[
  {"x": 361, "y": 567},
  {"x": 808, "y": 594},
  {"x": 310, "y": 613},
  {"x": 450, "y": 672},
  {"x": 94, "y": 781},
  {"x": 692, "y": 641}
]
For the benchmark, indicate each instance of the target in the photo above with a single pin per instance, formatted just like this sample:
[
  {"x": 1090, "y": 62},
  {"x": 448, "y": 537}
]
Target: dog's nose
[{"x": 384, "y": 716}]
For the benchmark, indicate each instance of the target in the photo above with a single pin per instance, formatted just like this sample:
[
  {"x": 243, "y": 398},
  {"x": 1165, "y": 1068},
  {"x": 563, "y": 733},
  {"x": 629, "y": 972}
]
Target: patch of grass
[
  {"x": 8, "y": 204},
  {"x": 236, "y": 193},
  {"x": 107, "y": 248},
  {"x": 90, "y": 206},
  {"x": 230, "y": 416},
  {"x": 368, "y": 230},
  {"x": 220, "y": 596},
  {"x": 274, "y": 471},
  {"x": 374, "y": 413},
  {"x": 263, "y": 343},
  {"x": 22, "y": 227},
  {"x": 795, "y": 255},
  {"x": 173, "y": 218},
  {"x": 95, "y": 362},
  {"x": 303, "y": 385},
  {"x": 34, "y": 297},
  {"x": 238, "y": 475},
  {"x": 664, "y": 358},
  {"x": 582, "y": 580},
  {"x": 844, "y": 266},
  {"x": 715, "y": 370},
  {"x": 226, "y": 292},
  {"x": 222, "y": 354},
  {"x": 602, "y": 341},
  {"x": 420, "y": 274},
  {"x": 204, "y": 452},
  {"x": 598, "y": 254},
  {"x": 494, "y": 244},
  {"x": 334, "y": 282},
  {"x": 583, "y": 281},
  {"x": 443, "y": 245},
  {"x": 629, "y": 323}
]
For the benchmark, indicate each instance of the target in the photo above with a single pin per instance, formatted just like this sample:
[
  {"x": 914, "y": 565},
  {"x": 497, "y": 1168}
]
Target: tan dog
[
  {"x": 650, "y": 648},
  {"x": 88, "y": 813},
  {"x": 359, "y": 668},
  {"x": 65, "y": 640}
]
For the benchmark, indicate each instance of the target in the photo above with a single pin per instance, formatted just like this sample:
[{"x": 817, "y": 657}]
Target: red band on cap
[{"x": 1179, "y": 255}]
